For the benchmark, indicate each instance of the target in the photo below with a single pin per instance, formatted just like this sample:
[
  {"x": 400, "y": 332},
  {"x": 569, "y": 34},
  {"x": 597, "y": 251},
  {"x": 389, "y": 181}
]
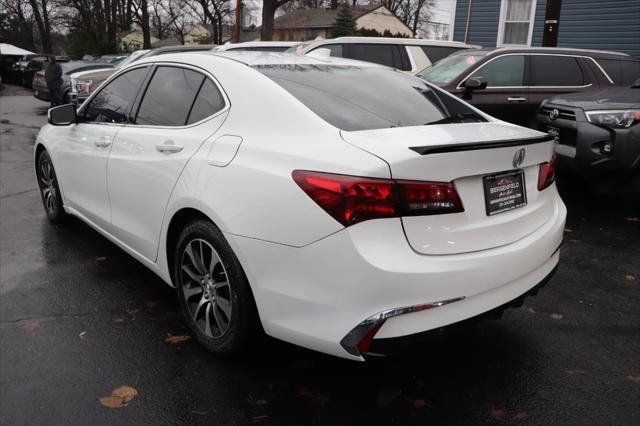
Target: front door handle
[
  {"x": 517, "y": 99},
  {"x": 169, "y": 147},
  {"x": 103, "y": 142}
]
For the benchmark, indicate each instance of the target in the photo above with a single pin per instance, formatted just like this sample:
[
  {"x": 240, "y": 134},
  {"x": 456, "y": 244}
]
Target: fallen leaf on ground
[
  {"x": 520, "y": 415},
  {"x": 630, "y": 277},
  {"x": 556, "y": 316},
  {"x": 174, "y": 340},
  {"x": 118, "y": 320},
  {"x": 259, "y": 418},
  {"x": 531, "y": 311},
  {"x": 120, "y": 397},
  {"x": 261, "y": 402},
  {"x": 632, "y": 219},
  {"x": 133, "y": 311},
  {"x": 151, "y": 304},
  {"x": 419, "y": 403},
  {"x": 82, "y": 334},
  {"x": 497, "y": 413},
  {"x": 568, "y": 230},
  {"x": 634, "y": 379},
  {"x": 101, "y": 258},
  {"x": 574, "y": 373},
  {"x": 31, "y": 326},
  {"x": 386, "y": 396}
]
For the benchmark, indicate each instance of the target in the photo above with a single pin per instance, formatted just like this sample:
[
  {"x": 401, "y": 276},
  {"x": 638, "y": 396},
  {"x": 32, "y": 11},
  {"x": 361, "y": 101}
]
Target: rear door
[
  {"x": 180, "y": 108},
  {"x": 553, "y": 75},
  {"x": 506, "y": 96}
]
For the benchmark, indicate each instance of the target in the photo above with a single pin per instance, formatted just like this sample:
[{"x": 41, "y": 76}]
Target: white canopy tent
[{"x": 11, "y": 50}]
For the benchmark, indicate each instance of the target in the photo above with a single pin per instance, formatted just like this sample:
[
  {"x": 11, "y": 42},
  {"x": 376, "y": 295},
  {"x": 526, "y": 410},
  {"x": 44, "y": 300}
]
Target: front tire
[
  {"x": 213, "y": 290},
  {"x": 49, "y": 189}
]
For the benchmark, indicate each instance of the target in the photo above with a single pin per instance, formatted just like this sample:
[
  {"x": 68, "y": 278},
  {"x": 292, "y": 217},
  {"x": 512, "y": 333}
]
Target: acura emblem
[
  {"x": 519, "y": 157},
  {"x": 554, "y": 114}
]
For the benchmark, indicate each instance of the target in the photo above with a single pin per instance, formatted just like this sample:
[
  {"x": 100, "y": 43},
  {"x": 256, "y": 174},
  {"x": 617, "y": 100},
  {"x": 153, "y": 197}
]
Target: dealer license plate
[{"x": 504, "y": 191}]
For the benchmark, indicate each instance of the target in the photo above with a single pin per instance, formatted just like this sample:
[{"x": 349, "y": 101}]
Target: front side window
[
  {"x": 169, "y": 97},
  {"x": 515, "y": 22},
  {"x": 503, "y": 71},
  {"x": 548, "y": 70},
  {"x": 355, "y": 98},
  {"x": 111, "y": 103}
]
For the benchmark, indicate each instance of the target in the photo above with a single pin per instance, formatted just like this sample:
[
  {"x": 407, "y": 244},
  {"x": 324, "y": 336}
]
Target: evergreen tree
[{"x": 345, "y": 25}]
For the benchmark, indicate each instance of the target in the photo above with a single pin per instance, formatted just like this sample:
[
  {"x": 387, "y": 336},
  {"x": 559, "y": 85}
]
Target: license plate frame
[{"x": 500, "y": 201}]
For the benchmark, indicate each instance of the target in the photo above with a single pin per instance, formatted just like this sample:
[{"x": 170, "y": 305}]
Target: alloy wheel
[
  {"x": 47, "y": 186},
  {"x": 206, "y": 288}
]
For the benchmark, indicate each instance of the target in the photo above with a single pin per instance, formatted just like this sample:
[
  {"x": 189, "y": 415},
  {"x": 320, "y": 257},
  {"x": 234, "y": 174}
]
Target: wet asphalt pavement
[{"x": 80, "y": 318}]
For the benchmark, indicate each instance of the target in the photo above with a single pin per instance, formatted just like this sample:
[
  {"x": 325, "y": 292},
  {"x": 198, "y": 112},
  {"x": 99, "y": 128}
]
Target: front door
[
  {"x": 506, "y": 96},
  {"x": 83, "y": 150},
  {"x": 180, "y": 109}
]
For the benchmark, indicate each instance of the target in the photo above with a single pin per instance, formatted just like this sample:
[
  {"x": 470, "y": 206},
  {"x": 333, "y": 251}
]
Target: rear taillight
[
  {"x": 547, "y": 174},
  {"x": 352, "y": 199}
]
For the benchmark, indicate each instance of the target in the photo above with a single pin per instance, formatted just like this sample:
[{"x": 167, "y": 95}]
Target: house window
[{"x": 516, "y": 22}]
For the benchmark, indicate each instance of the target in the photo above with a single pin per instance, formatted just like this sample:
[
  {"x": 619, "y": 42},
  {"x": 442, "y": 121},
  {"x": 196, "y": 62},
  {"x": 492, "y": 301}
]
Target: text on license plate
[{"x": 504, "y": 191}]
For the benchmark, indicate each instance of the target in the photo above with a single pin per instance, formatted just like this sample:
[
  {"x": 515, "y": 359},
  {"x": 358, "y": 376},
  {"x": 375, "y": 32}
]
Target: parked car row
[{"x": 41, "y": 91}]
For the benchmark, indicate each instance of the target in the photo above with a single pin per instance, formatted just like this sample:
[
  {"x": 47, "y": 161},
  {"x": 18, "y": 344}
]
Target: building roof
[{"x": 317, "y": 18}]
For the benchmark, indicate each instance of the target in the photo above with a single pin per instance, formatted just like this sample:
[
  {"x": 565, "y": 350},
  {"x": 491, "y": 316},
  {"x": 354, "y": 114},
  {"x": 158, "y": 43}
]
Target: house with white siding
[{"x": 587, "y": 24}]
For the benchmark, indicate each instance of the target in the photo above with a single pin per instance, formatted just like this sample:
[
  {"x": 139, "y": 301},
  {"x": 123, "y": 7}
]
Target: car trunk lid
[{"x": 469, "y": 155}]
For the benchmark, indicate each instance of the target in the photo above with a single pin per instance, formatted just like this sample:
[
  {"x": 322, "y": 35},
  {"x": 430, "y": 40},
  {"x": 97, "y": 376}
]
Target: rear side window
[
  {"x": 391, "y": 55},
  {"x": 435, "y": 53},
  {"x": 335, "y": 49},
  {"x": 621, "y": 72},
  {"x": 361, "y": 98},
  {"x": 111, "y": 103},
  {"x": 169, "y": 97},
  {"x": 504, "y": 71},
  {"x": 550, "y": 70},
  {"x": 208, "y": 102}
]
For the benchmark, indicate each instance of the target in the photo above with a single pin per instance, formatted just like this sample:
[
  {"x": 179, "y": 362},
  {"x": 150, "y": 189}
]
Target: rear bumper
[{"x": 315, "y": 296}]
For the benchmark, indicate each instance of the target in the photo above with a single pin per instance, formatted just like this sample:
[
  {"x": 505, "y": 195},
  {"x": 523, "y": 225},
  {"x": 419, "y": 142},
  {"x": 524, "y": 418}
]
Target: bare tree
[
  {"x": 40, "y": 11},
  {"x": 269, "y": 8},
  {"x": 179, "y": 18},
  {"x": 19, "y": 10},
  {"x": 141, "y": 17}
]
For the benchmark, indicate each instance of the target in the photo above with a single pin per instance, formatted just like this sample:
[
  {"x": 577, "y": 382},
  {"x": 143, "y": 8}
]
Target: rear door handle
[
  {"x": 103, "y": 142},
  {"x": 169, "y": 147},
  {"x": 516, "y": 99}
]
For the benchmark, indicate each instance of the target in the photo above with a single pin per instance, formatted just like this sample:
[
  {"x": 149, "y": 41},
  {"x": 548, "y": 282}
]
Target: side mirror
[
  {"x": 62, "y": 115},
  {"x": 472, "y": 84}
]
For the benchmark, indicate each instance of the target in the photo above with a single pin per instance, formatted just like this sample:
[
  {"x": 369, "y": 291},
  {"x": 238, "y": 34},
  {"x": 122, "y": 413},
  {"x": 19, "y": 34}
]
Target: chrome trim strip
[{"x": 354, "y": 337}]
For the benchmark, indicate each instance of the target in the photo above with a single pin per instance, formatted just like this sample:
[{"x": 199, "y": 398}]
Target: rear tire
[
  {"x": 49, "y": 189},
  {"x": 213, "y": 291}
]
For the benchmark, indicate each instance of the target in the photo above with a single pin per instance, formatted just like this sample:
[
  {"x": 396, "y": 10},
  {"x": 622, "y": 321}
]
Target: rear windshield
[
  {"x": 447, "y": 69},
  {"x": 364, "y": 98}
]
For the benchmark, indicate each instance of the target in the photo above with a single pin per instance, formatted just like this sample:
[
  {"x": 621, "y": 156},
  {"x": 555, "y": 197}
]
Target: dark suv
[
  {"x": 511, "y": 83},
  {"x": 596, "y": 133}
]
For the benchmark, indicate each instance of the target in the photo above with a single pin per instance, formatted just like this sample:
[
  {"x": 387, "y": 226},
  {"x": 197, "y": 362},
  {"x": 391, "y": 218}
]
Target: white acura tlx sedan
[{"x": 334, "y": 204}]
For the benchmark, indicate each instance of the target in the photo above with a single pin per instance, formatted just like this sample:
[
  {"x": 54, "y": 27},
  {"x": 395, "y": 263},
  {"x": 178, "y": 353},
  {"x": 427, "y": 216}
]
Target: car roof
[
  {"x": 560, "y": 50},
  {"x": 393, "y": 40},
  {"x": 256, "y": 58},
  {"x": 181, "y": 48},
  {"x": 256, "y": 44}
]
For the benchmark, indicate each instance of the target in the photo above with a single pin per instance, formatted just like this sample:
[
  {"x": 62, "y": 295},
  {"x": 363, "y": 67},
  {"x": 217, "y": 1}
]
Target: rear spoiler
[{"x": 473, "y": 146}]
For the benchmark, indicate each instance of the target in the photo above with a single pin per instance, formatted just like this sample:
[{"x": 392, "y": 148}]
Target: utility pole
[{"x": 236, "y": 36}]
